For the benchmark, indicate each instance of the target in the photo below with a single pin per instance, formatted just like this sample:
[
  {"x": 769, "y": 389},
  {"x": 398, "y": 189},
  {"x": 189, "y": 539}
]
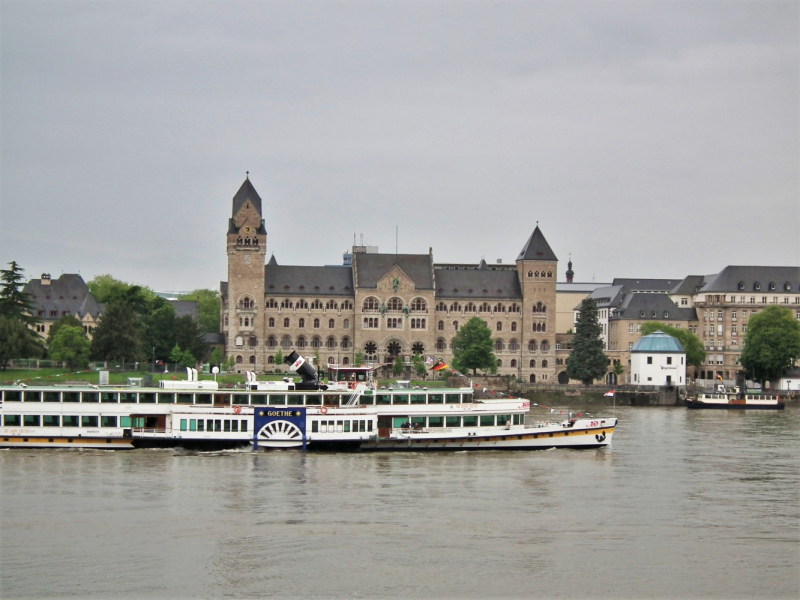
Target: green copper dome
[{"x": 658, "y": 342}]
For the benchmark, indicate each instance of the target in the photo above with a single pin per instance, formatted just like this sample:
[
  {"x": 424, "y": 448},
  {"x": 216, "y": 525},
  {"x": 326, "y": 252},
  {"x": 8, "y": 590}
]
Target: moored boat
[{"x": 731, "y": 398}]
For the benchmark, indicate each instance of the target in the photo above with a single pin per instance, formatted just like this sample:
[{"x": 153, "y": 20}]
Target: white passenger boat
[
  {"x": 732, "y": 398},
  {"x": 349, "y": 412}
]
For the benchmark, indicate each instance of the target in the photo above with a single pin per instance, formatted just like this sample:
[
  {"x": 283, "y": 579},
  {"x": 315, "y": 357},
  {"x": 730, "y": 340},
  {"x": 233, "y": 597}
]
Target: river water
[{"x": 687, "y": 504}]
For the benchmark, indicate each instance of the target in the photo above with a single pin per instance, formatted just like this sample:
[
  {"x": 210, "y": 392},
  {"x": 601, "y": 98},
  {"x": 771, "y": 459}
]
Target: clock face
[{"x": 247, "y": 229}]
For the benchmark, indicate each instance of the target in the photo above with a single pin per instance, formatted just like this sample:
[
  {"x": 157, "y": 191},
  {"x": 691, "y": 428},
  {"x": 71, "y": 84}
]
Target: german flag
[{"x": 439, "y": 365}]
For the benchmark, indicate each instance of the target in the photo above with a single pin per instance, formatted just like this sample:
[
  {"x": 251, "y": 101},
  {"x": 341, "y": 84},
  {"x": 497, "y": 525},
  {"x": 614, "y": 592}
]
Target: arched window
[
  {"x": 513, "y": 325},
  {"x": 394, "y": 305},
  {"x": 286, "y": 342},
  {"x": 316, "y": 305},
  {"x": 272, "y": 321},
  {"x": 316, "y": 342},
  {"x": 513, "y": 364},
  {"x": 346, "y": 360},
  {"x": 499, "y": 326},
  {"x": 331, "y": 360},
  {"x": 301, "y": 323},
  {"x": 252, "y": 360},
  {"x": 347, "y": 305},
  {"x": 331, "y": 323},
  {"x": 498, "y": 345},
  {"x": 331, "y": 305},
  {"x": 455, "y": 325},
  {"x": 394, "y": 348},
  {"x": 271, "y": 303},
  {"x": 286, "y": 322},
  {"x": 441, "y": 306},
  {"x": 346, "y": 324},
  {"x": 530, "y": 274},
  {"x": 498, "y": 308},
  {"x": 241, "y": 321},
  {"x": 239, "y": 360},
  {"x": 302, "y": 304},
  {"x": 536, "y": 274},
  {"x": 533, "y": 378},
  {"x": 441, "y": 345},
  {"x": 226, "y": 320},
  {"x": 499, "y": 362},
  {"x": 239, "y": 340},
  {"x": 247, "y": 303},
  {"x": 533, "y": 364},
  {"x": 272, "y": 342},
  {"x": 532, "y": 346},
  {"x": 513, "y": 345},
  {"x": 270, "y": 360},
  {"x": 419, "y": 305},
  {"x": 370, "y": 348},
  {"x": 470, "y": 307},
  {"x": 246, "y": 322},
  {"x": 514, "y": 308},
  {"x": 301, "y": 342},
  {"x": 345, "y": 343},
  {"x": 253, "y": 341},
  {"x": 485, "y": 307},
  {"x": 440, "y": 326},
  {"x": 455, "y": 307},
  {"x": 539, "y": 308},
  {"x": 544, "y": 364},
  {"x": 316, "y": 323},
  {"x": 370, "y": 305},
  {"x": 418, "y": 348},
  {"x": 545, "y": 346},
  {"x": 330, "y": 343},
  {"x": 287, "y": 303}
]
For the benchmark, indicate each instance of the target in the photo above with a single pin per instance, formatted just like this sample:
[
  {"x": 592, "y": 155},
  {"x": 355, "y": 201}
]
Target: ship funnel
[{"x": 303, "y": 368}]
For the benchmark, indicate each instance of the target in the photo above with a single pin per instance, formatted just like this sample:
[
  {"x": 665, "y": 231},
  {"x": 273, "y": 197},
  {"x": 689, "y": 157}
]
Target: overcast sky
[{"x": 648, "y": 139}]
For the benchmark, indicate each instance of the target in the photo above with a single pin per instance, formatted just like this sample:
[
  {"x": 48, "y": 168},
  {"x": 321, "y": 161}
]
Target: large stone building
[
  {"x": 383, "y": 305},
  {"x": 66, "y": 296}
]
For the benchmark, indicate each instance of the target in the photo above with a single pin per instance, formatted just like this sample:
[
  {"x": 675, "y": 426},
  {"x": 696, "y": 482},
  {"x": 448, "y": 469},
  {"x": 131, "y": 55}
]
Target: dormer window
[
  {"x": 756, "y": 286},
  {"x": 771, "y": 285},
  {"x": 741, "y": 285},
  {"x": 642, "y": 314},
  {"x": 666, "y": 314},
  {"x": 787, "y": 286},
  {"x": 654, "y": 314}
]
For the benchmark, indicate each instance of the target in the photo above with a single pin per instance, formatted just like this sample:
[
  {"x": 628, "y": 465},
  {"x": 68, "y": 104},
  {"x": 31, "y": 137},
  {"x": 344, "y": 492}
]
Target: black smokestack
[{"x": 306, "y": 371}]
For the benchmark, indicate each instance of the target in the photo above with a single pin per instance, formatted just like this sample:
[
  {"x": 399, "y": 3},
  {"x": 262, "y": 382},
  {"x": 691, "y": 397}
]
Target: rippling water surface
[{"x": 689, "y": 504}]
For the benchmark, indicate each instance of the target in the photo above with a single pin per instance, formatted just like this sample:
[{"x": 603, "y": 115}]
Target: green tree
[
  {"x": 189, "y": 335},
  {"x": 159, "y": 328},
  {"x": 279, "y": 360},
  {"x": 419, "y": 365},
  {"x": 358, "y": 359},
  {"x": 70, "y": 345},
  {"x": 208, "y": 306},
  {"x": 17, "y": 341},
  {"x": 107, "y": 290},
  {"x": 15, "y": 303},
  {"x": 118, "y": 334},
  {"x": 65, "y": 321},
  {"x": 399, "y": 365},
  {"x": 176, "y": 355},
  {"x": 695, "y": 353},
  {"x": 473, "y": 347},
  {"x": 587, "y": 361},
  {"x": 772, "y": 344},
  {"x": 217, "y": 357}
]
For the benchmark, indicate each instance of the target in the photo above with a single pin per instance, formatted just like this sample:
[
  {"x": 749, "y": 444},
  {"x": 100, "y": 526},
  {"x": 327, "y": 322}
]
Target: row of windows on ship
[
  {"x": 373, "y": 304},
  {"x": 227, "y": 399},
  {"x": 106, "y": 421}
]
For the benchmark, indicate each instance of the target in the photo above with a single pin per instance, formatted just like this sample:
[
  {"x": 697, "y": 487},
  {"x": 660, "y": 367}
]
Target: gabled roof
[
  {"x": 478, "y": 284},
  {"x": 246, "y": 192},
  {"x": 730, "y": 278},
  {"x": 652, "y": 307},
  {"x": 537, "y": 248},
  {"x": 297, "y": 280},
  {"x": 370, "y": 267},
  {"x": 690, "y": 285},
  {"x": 90, "y": 306},
  {"x": 608, "y": 296},
  {"x": 65, "y": 294}
]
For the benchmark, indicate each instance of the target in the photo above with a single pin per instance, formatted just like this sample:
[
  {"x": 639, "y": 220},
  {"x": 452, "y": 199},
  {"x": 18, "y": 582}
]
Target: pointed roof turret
[
  {"x": 483, "y": 266},
  {"x": 272, "y": 262},
  {"x": 570, "y": 272},
  {"x": 537, "y": 248},
  {"x": 245, "y": 193}
]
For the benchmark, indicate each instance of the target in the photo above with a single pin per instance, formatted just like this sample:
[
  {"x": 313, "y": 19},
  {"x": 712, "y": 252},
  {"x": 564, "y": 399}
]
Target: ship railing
[{"x": 149, "y": 430}]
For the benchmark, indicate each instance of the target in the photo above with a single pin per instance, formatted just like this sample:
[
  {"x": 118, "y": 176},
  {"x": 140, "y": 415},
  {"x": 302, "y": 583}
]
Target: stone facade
[{"x": 383, "y": 305}]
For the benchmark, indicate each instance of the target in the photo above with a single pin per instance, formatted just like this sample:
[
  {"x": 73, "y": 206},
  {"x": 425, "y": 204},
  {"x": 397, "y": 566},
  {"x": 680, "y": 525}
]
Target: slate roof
[
  {"x": 537, "y": 248},
  {"x": 68, "y": 293},
  {"x": 658, "y": 342},
  {"x": 297, "y": 280},
  {"x": 185, "y": 307},
  {"x": 477, "y": 284},
  {"x": 608, "y": 296},
  {"x": 370, "y": 267},
  {"x": 690, "y": 285},
  {"x": 647, "y": 285},
  {"x": 214, "y": 338},
  {"x": 652, "y": 307},
  {"x": 730, "y": 277},
  {"x": 246, "y": 192}
]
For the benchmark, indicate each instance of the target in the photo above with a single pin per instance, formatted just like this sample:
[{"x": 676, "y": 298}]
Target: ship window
[
  {"x": 108, "y": 421},
  {"x": 313, "y": 400},
  {"x": 435, "y": 399},
  {"x": 347, "y": 426},
  {"x": 109, "y": 397},
  {"x": 295, "y": 400},
  {"x": 201, "y": 425},
  {"x": 314, "y": 426},
  {"x": 167, "y": 398},
  {"x": 88, "y": 421},
  {"x": 51, "y": 421},
  {"x": 417, "y": 398},
  {"x": 31, "y": 420},
  {"x": 435, "y": 421},
  {"x": 192, "y": 424},
  {"x": 487, "y": 420},
  {"x": 184, "y": 398},
  {"x": 227, "y": 425},
  {"x": 243, "y": 426},
  {"x": 384, "y": 399},
  {"x": 453, "y": 398},
  {"x": 183, "y": 424},
  {"x": 278, "y": 399},
  {"x": 471, "y": 421},
  {"x": 144, "y": 398},
  {"x": 400, "y": 399},
  {"x": 69, "y": 421},
  {"x": 202, "y": 399},
  {"x": 453, "y": 421},
  {"x": 89, "y": 397},
  {"x": 14, "y": 396},
  {"x": 127, "y": 397},
  {"x": 503, "y": 419}
]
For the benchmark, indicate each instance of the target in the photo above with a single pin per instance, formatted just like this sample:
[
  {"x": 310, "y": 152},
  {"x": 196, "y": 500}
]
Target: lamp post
[{"x": 153, "y": 367}]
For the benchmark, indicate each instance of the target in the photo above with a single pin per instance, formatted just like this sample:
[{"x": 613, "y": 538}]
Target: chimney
[{"x": 45, "y": 278}]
